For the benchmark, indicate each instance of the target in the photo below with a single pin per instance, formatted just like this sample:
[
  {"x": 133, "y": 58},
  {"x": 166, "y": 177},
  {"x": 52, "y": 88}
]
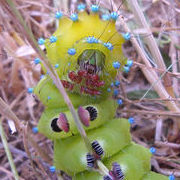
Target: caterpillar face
[
  {"x": 84, "y": 50},
  {"x": 92, "y": 61}
]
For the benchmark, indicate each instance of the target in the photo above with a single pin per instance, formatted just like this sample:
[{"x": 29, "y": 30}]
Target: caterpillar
[{"x": 85, "y": 54}]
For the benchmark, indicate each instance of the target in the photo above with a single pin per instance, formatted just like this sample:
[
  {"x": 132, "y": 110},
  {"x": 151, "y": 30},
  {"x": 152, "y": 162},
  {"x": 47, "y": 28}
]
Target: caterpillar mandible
[{"x": 84, "y": 52}]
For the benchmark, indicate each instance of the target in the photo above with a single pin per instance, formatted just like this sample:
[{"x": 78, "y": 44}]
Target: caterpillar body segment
[
  {"x": 141, "y": 153},
  {"x": 115, "y": 132},
  {"x": 132, "y": 166},
  {"x": 97, "y": 119},
  {"x": 135, "y": 164}
]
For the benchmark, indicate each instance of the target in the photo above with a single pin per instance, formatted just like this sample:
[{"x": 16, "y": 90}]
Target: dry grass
[{"x": 155, "y": 126}]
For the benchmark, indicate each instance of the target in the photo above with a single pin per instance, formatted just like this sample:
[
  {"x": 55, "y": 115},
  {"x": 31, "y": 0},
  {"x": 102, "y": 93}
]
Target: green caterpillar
[{"x": 86, "y": 52}]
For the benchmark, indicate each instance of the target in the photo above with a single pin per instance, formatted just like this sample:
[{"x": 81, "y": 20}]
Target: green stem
[{"x": 8, "y": 153}]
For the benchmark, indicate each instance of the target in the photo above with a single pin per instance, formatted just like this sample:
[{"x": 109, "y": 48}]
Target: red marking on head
[
  {"x": 67, "y": 85},
  {"x": 82, "y": 73},
  {"x": 89, "y": 91},
  {"x": 74, "y": 77},
  {"x": 95, "y": 77},
  {"x": 89, "y": 82}
]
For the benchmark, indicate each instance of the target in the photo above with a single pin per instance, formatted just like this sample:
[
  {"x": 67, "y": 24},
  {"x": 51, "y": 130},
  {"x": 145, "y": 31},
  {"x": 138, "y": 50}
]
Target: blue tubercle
[
  {"x": 30, "y": 90},
  {"x": 126, "y": 69},
  {"x": 129, "y": 63},
  {"x": 41, "y": 41},
  {"x": 49, "y": 97},
  {"x": 56, "y": 65},
  {"x": 58, "y": 15},
  {"x": 37, "y": 61},
  {"x": 106, "y": 17},
  {"x": 119, "y": 101},
  {"x": 131, "y": 120},
  {"x": 109, "y": 45},
  {"x": 53, "y": 39},
  {"x": 35, "y": 130},
  {"x": 112, "y": 84},
  {"x": 114, "y": 15},
  {"x": 116, "y": 92},
  {"x": 91, "y": 39},
  {"x": 81, "y": 7},
  {"x": 94, "y": 8},
  {"x": 117, "y": 83},
  {"x": 74, "y": 17},
  {"x": 126, "y": 36},
  {"x": 171, "y": 177},
  {"x": 152, "y": 150},
  {"x": 116, "y": 65},
  {"x": 71, "y": 51},
  {"x": 109, "y": 90},
  {"x": 52, "y": 169}
]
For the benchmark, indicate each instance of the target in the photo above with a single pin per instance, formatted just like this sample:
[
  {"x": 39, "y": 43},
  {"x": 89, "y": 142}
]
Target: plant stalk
[
  {"x": 151, "y": 43},
  {"x": 150, "y": 74},
  {"x": 8, "y": 153}
]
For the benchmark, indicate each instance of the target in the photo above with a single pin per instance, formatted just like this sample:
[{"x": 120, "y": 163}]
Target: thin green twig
[{"x": 8, "y": 153}]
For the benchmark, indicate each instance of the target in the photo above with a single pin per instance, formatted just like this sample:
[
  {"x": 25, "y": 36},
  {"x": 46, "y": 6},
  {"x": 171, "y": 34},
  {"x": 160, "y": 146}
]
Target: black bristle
[
  {"x": 93, "y": 112},
  {"x": 90, "y": 160},
  {"x": 107, "y": 177},
  {"x": 97, "y": 148},
  {"x": 117, "y": 171}
]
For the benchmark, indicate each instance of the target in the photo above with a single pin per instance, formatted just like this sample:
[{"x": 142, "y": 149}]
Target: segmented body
[{"x": 86, "y": 59}]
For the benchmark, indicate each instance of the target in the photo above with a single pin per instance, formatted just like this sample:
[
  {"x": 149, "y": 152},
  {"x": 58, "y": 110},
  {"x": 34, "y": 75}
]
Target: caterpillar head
[{"x": 83, "y": 50}]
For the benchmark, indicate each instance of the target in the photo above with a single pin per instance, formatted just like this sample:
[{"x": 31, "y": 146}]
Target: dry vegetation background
[{"x": 154, "y": 125}]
